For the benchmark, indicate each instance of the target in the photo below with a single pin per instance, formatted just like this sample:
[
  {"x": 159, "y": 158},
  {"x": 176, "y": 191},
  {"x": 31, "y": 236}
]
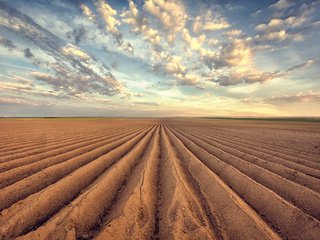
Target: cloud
[
  {"x": 187, "y": 79},
  {"x": 109, "y": 25},
  {"x": 109, "y": 16},
  {"x": 74, "y": 67},
  {"x": 281, "y": 4},
  {"x": 233, "y": 33},
  {"x": 299, "y": 22},
  {"x": 281, "y": 29},
  {"x": 234, "y": 53},
  {"x": 172, "y": 44},
  {"x": 7, "y": 43},
  {"x": 31, "y": 90},
  {"x": 78, "y": 34},
  {"x": 209, "y": 23},
  {"x": 281, "y": 36},
  {"x": 87, "y": 11},
  {"x": 74, "y": 85},
  {"x": 193, "y": 43},
  {"x": 254, "y": 76},
  {"x": 147, "y": 103},
  {"x": 173, "y": 66},
  {"x": 247, "y": 77},
  {"x": 306, "y": 64},
  {"x": 299, "y": 97},
  {"x": 27, "y": 53},
  {"x": 172, "y": 15},
  {"x": 140, "y": 25},
  {"x": 213, "y": 42},
  {"x": 278, "y": 23},
  {"x": 12, "y": 100},
  {"x": 74, "y": 52}
]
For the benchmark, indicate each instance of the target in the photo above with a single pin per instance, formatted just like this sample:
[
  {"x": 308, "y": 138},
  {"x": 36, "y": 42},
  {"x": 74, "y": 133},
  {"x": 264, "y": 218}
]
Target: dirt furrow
[
  {"x": 234, "y": 218},
  {"x": 38, "y": 157},
  {"x": 47, "y": 148},
  {"x": 79, "y": 218},
  {"x": 310, "y": 168},
  {"x": 305, "y": 199},
  {"x": 132, "y": 215},
  {"x": 313, "y": 159},
  {"x": 50, "y": 175},
  {"x": 257, "y": 140},
  {"x": 50, "y": 140},
  {"x": 265, "y": 161},
  {"x": 9, "y": 177},
  {"x": 289, "y": 220},
  {"x": 77, "y": 179},
  {"x": 48, "y": 136},
  {"x": 21, "y": 148},
  {"x": 268, "y": 147},
  {"x": 181, "y": 213}
]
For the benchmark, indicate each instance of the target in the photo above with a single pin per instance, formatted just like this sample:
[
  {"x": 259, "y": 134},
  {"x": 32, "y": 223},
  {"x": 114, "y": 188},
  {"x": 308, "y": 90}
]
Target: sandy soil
[{"x": 159, "y": 179}]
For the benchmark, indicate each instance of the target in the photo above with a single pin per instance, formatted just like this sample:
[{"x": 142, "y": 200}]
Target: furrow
[
  {"x": 50, "y": 175},
  {"x": 255, "y": 140},
  {"x": 20, "y": 148},
  {"x": 33, "y": 144},
  {"x": 307, "y": 167},
  {"x": 61, "y": 135},
  {"x": 265, "y": 161},
  {"x": 235, "y": 218},
  {"x": 267, "y": 147},
  {"x": 34, "y": 139},
  {"x": 289, "y": 220},
  {"x": 35, "y": 158},
  {"x": 181, "y": 214},
  {"x": 132, "y": 214},
  {"x": 79, "y": 218},
  {"x": 9, "y": 177},
  {"x": 46, "y": 148},
  {"x": 303, "y": 198}
]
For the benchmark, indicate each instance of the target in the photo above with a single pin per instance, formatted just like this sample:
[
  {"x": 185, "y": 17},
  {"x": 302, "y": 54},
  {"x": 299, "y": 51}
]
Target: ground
[{"x": 151, "y": 178}]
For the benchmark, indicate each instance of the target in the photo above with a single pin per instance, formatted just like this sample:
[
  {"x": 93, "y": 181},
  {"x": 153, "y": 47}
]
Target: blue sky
[{"x": 159, "y": 58}]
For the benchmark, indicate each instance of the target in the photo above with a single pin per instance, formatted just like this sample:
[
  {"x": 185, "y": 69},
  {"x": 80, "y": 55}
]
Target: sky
[{"x": 158, "y": 58}]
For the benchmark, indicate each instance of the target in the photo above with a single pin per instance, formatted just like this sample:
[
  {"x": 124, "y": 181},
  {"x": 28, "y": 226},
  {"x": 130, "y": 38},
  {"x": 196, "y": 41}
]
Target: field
[{"x": 159, "y": 179}]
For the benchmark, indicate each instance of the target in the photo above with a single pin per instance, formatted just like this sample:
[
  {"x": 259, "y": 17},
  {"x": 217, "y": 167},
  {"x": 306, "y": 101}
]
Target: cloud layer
[{"x": 158, "y": 54}]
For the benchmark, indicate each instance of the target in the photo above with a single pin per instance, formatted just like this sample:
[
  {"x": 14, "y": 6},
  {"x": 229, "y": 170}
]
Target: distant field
[
  {"x": 97, "y": 178},
  {"x": 281, "y": 119}
]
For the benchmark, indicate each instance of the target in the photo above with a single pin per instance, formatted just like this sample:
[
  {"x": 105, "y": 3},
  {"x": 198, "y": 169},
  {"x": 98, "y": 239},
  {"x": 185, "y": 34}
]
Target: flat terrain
[{"x": 159, "y": 179}]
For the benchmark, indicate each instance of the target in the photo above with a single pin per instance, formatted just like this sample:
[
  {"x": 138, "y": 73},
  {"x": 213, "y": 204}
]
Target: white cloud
[
  {"x": 209, "y": 23},
  {"x": 74, "y": 51},
  {"x": 87, "y": 11},
  {"x": 172, "y": 15},
  {"x": 109, "y": 16},
  {"x": 299, "y": 97},
  {"x": 281, "y": 4},
  {"x": 233, "y": 33},
  {"x": 248, "y": 77},
  {"x": 234, "y": 53},
  {"x": 140, "y": 24},
  {"x": 234, "y": 77},
  {"x": 278, "y": 23},
  {"x": 213, "y": 42},
  {"x": 192, "y": 42},
  {"x": 281, "y": 36}
]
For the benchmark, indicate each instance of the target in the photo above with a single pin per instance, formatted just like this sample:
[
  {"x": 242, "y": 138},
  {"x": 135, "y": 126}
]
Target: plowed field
[{"x": 159, "y": 179}]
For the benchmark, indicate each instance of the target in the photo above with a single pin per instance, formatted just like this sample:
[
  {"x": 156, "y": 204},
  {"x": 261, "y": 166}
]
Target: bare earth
[{"x": 159, "y": 179}]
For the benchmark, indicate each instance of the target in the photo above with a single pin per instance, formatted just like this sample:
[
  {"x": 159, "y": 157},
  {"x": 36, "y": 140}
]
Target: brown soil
[{"x": 159, "y": 179}]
